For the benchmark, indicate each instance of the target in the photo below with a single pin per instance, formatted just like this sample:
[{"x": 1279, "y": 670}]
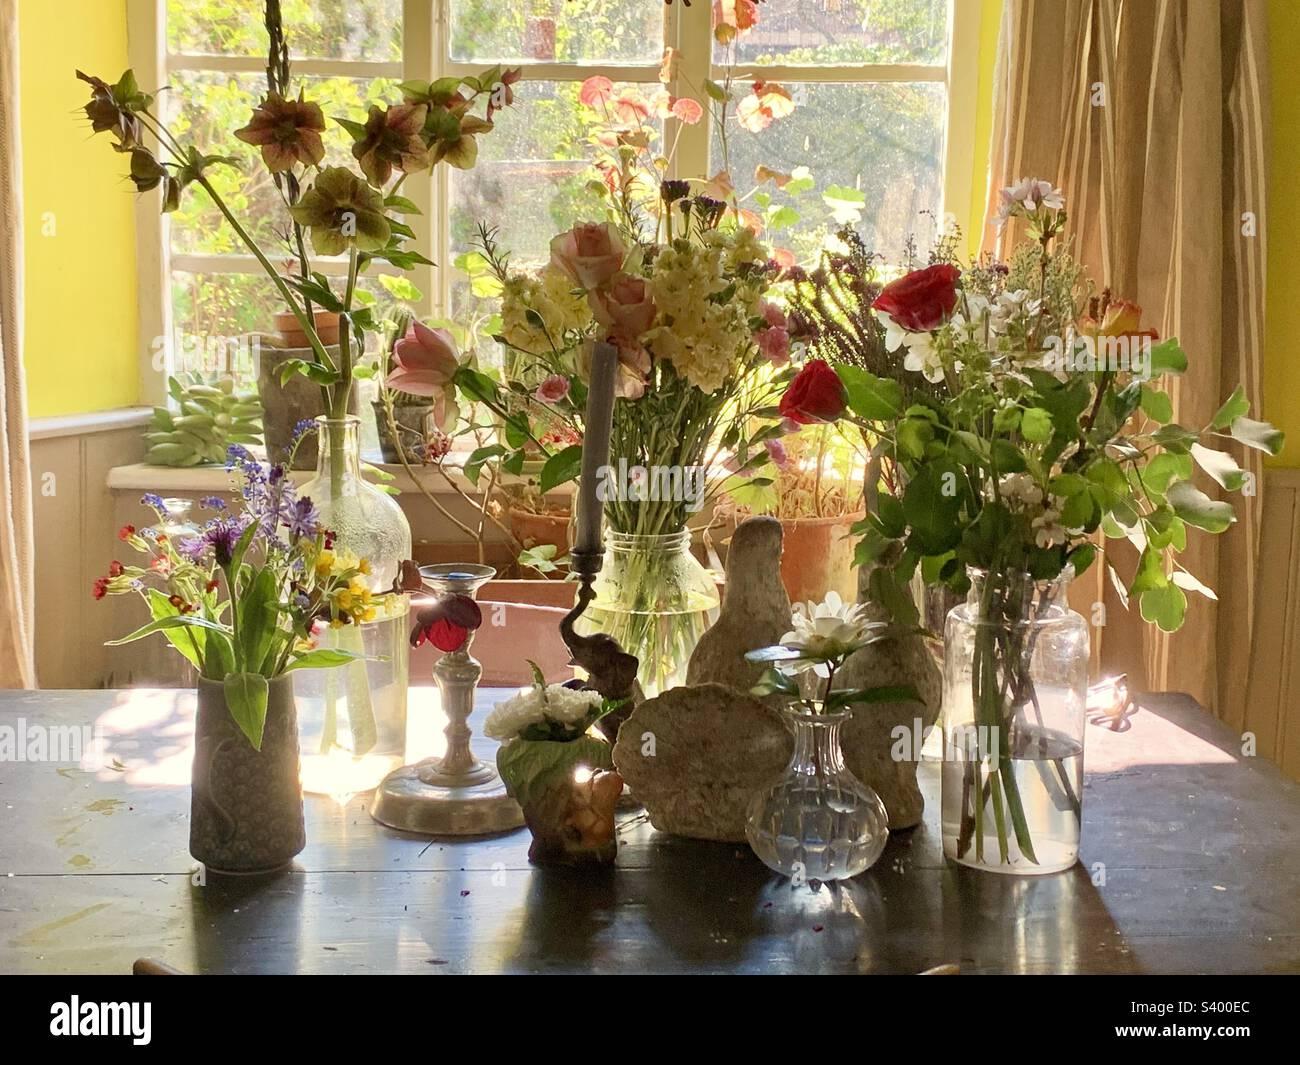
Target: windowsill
[
  {"x": 214, "y": 480},
  {"x": 103, "y": 421}
]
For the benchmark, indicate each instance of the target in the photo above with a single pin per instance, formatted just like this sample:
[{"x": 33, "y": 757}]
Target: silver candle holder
[{"x": 456, "y": 794}]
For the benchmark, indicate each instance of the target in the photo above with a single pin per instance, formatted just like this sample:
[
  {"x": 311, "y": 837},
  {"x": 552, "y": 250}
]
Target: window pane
[
  {"x": 320, "y": 29},
  {"x": 557, "y": 31},
  {"x": 531, "y": 177},
  {"x": 830, "y": 32},
  {"x": 206, "y": 108},
  {"x": 875, "y": 153}
]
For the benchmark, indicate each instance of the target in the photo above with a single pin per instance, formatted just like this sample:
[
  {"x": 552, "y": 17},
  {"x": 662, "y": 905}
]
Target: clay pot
[
  {"x": 817, "y": 557},
  {"x": 532, "y": 529},
  {"x": 285, "y": 405},
  {"x": 246, "y": 805},
  {"x": 412, "y": 421},
  {"x": 291, "y": 333}
]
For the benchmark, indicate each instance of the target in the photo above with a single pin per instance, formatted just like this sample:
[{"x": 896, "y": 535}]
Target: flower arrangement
[
  {"x": 244, "y": 597},
  {"x": 560, "y": 774},
  {"x": 822, "y": 638},
  {"x": 1020, "y": 414},
  {"x": 331, "y": 210}
]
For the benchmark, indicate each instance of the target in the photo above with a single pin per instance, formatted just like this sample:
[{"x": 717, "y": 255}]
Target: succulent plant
[{"x": 209, "y": 418}]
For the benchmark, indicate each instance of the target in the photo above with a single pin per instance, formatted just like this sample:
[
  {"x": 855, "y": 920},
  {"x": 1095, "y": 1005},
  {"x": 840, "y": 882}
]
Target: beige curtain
[
  {"x": 1152, "y": 115},
  {"x": 17, "y": 579}
]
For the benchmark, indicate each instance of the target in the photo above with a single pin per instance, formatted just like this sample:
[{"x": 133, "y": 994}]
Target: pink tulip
[
  {"x": 590, "y": 253},
  {"x": 426, "y": 361}
]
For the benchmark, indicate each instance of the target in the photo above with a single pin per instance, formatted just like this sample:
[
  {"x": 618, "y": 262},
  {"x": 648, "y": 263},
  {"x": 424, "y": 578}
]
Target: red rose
[
  {"x": 815, "y": 395},
  {"x": 922, "y": 300}
]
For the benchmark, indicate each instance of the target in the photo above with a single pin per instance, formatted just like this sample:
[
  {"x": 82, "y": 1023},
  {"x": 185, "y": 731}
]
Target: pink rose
[
  {"x": 590, "y": 253},
  {"x": 625, "y": 307},
  {"x": 633, "y": 366},
  {"x": 553, "y": 389}
]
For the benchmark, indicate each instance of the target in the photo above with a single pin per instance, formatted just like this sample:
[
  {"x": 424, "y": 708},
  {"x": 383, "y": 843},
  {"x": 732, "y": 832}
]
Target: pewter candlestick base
[{"x": 457, "y": 794}]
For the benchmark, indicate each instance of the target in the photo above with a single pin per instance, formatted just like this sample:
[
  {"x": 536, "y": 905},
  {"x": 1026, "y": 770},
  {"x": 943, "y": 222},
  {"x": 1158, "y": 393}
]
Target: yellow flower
[
  {"x": 344, "y": 600},
  {"x": 324, "y": 562},
  {"x": 364, "y": 565}
]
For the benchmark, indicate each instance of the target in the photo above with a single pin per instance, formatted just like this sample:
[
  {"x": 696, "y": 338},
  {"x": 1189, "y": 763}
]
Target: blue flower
[
  {"x": 212, "y": 503},
  {"x": 238, "y": 455},
  {"x": 154, "y": 500},
  {"x": 303, "y": 518}
]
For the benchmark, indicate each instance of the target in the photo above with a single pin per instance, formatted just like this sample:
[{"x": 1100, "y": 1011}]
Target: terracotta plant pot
[
  {"x": 292, "y": 336},
  {"x": 817, "y": 557},
  {"x": 285, "y": 405},
  {"x": 412, "y": 424},
  {"x": 532, "y": 529},
  {"x": 246, "y": 805}
]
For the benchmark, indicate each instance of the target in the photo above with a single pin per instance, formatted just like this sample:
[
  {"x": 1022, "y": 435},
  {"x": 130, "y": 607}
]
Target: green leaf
[
  {"x": 1189, "y": 583},
  {"x": 190, "y": 642},
  {"x": 1196, "y": 508},
  {"x": 560, "y": 468},
  {"x": 246, "y": 699},
  {"x": 1168, "y": 357},
  {"x": 1165, "y": 606},
  {"x": 477, "y": 458},
  {"x": 1150, "y": 572},
  {"x": 401, "y": 205},
  {"x": 181, "y": 621},
  {"x": 1259, "y": 435},
  {"x": 870, "y": 397},
  {"x": 1219, "y": 465},
  {"x": 1175, "y": 438},
  {"x": 322, "y": 658},
  {"x": 715, "y": 91},
  {"x": 528, "y": 767},
  {"x": 1158, "y": 474},
  {"x": 1234, "y": 407},
  {"x": 932, "y": 502},
  {"x": 1036, "y": 425},
  {"x": 1157, "y": 405},
  {"x": 884, "y": 693},
  {"x": 775, "y": 682}
]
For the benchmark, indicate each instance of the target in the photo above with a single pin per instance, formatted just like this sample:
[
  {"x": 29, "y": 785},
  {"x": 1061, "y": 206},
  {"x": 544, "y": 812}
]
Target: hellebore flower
[
  {"x": 340, "y": 210},
  {"x": 426, "y": 362},
  {"x": 287, "y": 131},
  {"x": 391, "y": 138}
]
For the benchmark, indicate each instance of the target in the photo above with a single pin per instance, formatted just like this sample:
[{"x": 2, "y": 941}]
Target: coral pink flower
[
  {"x": 625, "y": 306},
  {"x": 590, "y": 253},
  {"x": 596, "y": 91}
]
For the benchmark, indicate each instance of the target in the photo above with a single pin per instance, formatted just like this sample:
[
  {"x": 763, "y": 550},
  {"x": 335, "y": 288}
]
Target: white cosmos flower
[
  {"x": 532, "y": 706},
  {"x": 826, "y": 631}
]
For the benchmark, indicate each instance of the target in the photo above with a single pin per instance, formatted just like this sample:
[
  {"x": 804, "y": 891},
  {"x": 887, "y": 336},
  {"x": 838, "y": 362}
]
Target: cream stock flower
[{"x": 551, "y": 295}]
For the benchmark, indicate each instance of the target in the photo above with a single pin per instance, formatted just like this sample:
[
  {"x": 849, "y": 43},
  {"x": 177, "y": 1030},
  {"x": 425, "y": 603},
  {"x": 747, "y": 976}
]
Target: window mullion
[
  {"x": 418, "y": 33},
  {"x": 690, "y": 31}
]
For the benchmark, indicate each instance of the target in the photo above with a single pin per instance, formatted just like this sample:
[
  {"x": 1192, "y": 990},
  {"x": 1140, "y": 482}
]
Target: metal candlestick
[{"x": 457, "y": 794}]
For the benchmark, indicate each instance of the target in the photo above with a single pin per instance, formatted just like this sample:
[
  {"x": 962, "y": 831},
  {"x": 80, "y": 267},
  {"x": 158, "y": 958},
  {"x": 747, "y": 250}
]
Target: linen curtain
[
  {"x": 17, "y": 576},
  {"x": 1152, "y": 117}
]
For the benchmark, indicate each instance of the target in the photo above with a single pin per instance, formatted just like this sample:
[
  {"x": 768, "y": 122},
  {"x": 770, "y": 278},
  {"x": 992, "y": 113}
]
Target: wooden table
[{"x": 1190, "y": 864}]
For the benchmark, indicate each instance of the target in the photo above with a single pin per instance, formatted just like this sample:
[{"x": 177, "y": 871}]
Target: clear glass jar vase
[
  {"x": 819, "y": 822},
  {"x": 352, "y": 719},
  {"x": 657, "y": 600},
  {"x": 1015, "y": 692}
]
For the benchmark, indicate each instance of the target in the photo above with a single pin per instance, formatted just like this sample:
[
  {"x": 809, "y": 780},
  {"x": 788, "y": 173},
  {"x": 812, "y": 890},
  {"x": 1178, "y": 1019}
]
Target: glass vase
[
  {"x": 352, "y": 719},
  {"x": 657, "y": 600},
  {"x": 819, "y": 822},
  {"x": 1015, "y": 692}
]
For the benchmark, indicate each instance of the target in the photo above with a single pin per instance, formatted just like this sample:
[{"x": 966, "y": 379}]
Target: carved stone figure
[
  {"x": 755, "y": 610},
  {"x": 696, "y": 756}
]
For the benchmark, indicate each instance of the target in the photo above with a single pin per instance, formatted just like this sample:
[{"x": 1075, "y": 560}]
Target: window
[{"x": 877, "y": 136}]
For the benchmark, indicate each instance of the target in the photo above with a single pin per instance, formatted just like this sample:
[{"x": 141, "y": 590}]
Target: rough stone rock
[
  {"x": 755, "y": 610},
  {"x": 713, "y": 748},
  {"x": 866, "y": 738}
]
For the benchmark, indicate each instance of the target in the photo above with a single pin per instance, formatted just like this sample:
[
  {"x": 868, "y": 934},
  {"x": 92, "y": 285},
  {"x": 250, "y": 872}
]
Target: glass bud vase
[
  {"x": 819, "y": 822},
  {"x": 352, "y": 719},
  {"x": 657, "y": 600},
  {"x": 1015, "y": 692}
]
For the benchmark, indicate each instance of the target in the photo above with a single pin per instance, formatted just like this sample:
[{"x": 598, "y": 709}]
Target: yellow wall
[
  {"x": 1282, "y": 338},
  {"x": 78, "y": 214}
]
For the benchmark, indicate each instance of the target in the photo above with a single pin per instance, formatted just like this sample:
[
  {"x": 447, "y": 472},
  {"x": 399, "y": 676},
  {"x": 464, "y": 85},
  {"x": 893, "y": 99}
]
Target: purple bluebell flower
[
  {"x": 238, "y": 455},
  {"x": 212, "y": 503},
  {"x": 221, "y": 535},
  {"x": 303, "y": 518},
  {"x": 154, "y": 501}
]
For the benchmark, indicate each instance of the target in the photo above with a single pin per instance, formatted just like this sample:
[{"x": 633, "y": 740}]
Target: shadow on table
[{"x": 248, "y": 924}]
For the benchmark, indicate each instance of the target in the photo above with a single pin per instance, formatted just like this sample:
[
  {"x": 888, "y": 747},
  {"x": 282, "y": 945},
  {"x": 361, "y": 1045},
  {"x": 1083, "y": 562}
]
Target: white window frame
[{"x": 426, "y": 56}]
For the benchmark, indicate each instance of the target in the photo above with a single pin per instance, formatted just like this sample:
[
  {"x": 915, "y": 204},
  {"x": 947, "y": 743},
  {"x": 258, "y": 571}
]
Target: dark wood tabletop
[{"x": 1190, "y": 863}]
